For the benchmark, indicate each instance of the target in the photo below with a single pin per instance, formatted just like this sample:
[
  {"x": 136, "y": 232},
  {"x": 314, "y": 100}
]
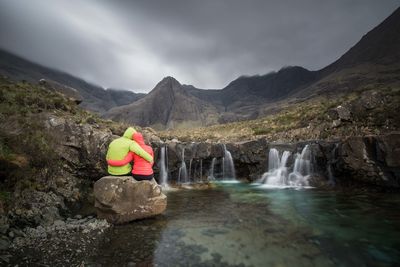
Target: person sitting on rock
[
  {"x": 123, "y": 148},
  {"x": 142, "y": 169}
]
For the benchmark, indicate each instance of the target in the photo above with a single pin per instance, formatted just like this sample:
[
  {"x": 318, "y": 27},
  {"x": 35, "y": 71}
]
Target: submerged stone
[{"x": 123, "y": 199}]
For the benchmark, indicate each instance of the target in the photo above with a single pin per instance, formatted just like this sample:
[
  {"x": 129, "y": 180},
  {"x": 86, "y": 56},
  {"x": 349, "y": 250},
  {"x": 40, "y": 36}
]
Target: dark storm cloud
[{"x": 134, "y": 44}]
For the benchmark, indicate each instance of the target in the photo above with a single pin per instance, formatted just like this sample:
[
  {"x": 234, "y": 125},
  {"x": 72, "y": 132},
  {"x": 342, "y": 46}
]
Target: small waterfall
[
  {"x": 228, "y": 168},
  {"x": 182, "y": 177},
  {"x": 277, "y": 174},
  {"x": 302, "y": 168},
  {"x": 163, "y": 166},
  {"x": 211, "y": 173},
  {"x": 277, "y": 170}
]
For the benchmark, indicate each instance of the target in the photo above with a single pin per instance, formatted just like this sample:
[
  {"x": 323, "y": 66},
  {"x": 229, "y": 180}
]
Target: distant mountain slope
[
  {"x": 94, "y": 97},
  {"x": 373, "y": 62},
  {"x": 168, "y": 105},
  {"x": 380, "y": 46},
  {"x": 259, "y": 88},
  {"x": 123, "y": 97}
]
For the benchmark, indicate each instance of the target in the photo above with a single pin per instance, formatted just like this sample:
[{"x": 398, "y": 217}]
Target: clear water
[{"x": 245, "y": 225}]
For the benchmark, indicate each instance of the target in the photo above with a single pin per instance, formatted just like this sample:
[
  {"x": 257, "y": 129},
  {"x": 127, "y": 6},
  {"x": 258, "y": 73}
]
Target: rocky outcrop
[
  {"x": 123, "y": 199},
  {"x": 71, "y": 159},
  {"x": 372, "y": 160}
]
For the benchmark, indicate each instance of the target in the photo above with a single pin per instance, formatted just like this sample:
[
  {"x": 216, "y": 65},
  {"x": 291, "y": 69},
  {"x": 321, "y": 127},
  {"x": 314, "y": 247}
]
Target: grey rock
[
  {"x": 11, "y": 234},
  {"x": 4, "y": 243},
  {"x": 336, "y": 123},
  {"x": 344, "y": 113},
  {"x": 59, "y": 223},
  {"x": 123, "y": 199}
]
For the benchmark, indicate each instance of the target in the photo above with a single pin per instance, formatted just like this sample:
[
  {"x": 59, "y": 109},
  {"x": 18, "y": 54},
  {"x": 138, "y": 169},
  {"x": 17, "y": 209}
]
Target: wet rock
[{"x": 123, "y": 199}]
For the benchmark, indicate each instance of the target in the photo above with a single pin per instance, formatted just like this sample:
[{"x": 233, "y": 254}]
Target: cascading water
[
  {"x": 277, "y": 175},
  {"x": 211, "y": 172},
  {"x": 163, "y": 166},
  {"x": 302, "y": 168},
  {"x": 277, "y": 170},
  {"x": 228, "y": 168},
  {"x": 182, "y": 177}
]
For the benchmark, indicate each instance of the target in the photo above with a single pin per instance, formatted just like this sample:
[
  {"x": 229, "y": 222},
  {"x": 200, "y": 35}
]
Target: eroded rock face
[
  {"x": 123, "y": 199},
  {"x": 372, "y": 160}
]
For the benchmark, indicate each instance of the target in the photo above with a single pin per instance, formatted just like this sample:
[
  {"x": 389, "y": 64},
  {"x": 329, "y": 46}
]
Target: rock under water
[{"x": 123, "y": 199}]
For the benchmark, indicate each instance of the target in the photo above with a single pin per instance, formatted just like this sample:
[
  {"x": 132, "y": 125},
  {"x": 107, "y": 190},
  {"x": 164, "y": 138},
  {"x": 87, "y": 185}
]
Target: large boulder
[{"x": 123, "y": 199}]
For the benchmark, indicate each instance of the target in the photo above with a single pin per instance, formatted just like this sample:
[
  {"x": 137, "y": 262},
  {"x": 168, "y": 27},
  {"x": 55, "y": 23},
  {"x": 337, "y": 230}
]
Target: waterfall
[
  {"x": 182, "y": 177},
  {"x": 228, "y": 168},
  {"x": 163, "y": 166},
  {"x": 302, "y": 168},
  {"x": 277, "y": 174},
  {"x": 211, "y": 173},
  {"x": 277, "y": 170}
]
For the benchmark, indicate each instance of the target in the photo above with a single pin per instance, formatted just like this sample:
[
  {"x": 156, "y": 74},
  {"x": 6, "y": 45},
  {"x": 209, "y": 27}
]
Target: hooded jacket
[
  {"x": 140, "y": 165},
  {"x": 119, "y": 149}
]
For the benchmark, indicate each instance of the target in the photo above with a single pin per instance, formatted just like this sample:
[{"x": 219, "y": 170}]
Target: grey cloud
[{"x": 133, "y": 44}]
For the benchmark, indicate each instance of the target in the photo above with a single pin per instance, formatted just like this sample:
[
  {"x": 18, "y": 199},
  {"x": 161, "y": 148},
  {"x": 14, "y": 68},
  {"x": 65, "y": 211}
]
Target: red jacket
[{"x": 140, "y": 165}]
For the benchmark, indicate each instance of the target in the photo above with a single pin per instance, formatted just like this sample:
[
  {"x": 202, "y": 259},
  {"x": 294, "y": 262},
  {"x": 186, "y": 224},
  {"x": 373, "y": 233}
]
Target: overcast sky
[{"x": 207, "y": 43}]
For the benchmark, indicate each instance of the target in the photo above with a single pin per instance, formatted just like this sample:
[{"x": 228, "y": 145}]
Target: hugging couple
[{"x": 128, "y": 150}]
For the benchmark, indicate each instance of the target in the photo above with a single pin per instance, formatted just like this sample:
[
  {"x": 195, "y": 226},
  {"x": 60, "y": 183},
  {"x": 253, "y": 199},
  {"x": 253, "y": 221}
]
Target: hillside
[{"x": 94, "y": 98}]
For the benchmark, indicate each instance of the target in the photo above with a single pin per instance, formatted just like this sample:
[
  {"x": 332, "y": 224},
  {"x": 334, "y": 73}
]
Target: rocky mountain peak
[{"x": 167, "y": 85}]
